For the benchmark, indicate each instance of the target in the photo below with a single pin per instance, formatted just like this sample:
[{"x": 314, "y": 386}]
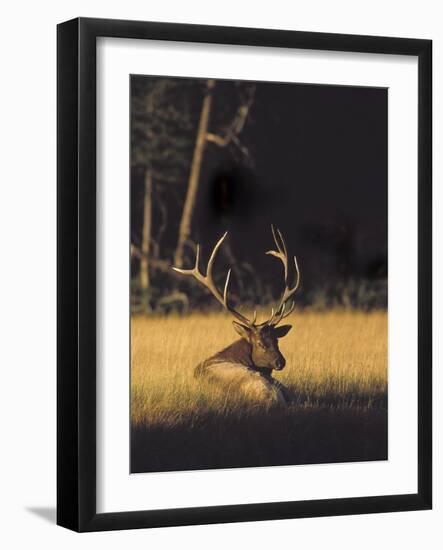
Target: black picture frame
[{"x": 76, "y": 277}]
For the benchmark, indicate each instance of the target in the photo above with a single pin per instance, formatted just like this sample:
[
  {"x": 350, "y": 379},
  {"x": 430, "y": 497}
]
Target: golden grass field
[{"x": 336, "y": 369}]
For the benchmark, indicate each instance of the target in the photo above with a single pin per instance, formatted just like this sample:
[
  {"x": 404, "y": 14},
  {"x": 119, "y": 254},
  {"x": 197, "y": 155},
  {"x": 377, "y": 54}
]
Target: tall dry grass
[{"x": 336, "y": 370}]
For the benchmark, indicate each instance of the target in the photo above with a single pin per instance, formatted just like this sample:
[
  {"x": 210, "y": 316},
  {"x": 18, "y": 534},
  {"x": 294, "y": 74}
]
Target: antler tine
[
  {"x": 278, "y": 316},
  {"x": 197, "y": 258},
  {"x": 282, "y": 254},
  {"x": 208, "y": 282},
  {"x": 283, "y": 314},
  {"x": 287, "y": 294},
  {"x": 225, "y": 290},
  {"x": 290, "y": 310},
  {"x": 213, "y": 255}
]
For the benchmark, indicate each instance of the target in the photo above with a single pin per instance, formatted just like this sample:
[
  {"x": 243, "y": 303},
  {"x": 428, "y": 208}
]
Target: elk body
[{"x": 246, "y": 366}]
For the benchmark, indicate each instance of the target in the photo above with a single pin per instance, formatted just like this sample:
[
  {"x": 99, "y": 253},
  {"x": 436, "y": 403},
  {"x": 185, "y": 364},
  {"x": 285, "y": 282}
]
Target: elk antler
[
  {"x": 207, "y": 281},
  {"x": 282, "y": 254}
]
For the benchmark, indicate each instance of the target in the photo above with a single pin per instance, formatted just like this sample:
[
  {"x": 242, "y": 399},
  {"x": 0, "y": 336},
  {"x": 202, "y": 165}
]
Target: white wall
[{"x": 27, "y": 219}]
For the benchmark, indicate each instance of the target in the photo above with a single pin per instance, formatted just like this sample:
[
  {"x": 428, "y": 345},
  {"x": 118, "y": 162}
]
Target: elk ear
[
  {"x": 282, "y": 331},
  {"x": 242, "y": 330}
]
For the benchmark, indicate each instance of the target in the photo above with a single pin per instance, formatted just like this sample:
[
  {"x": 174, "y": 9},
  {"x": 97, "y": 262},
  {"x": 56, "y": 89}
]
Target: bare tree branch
[{"x": 235, "y": 128}]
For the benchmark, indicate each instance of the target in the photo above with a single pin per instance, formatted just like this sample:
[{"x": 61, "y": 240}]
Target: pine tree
[{"x": 161, "y": 134}]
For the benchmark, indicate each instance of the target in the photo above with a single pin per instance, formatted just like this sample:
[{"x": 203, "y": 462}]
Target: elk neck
[{"x": 239, "y": 352}]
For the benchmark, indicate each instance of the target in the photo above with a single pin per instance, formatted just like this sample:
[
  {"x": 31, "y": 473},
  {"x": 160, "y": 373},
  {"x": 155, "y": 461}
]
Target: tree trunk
[
  {"x": 188, "y": 209},
  {"x": 146, "y": 240}
]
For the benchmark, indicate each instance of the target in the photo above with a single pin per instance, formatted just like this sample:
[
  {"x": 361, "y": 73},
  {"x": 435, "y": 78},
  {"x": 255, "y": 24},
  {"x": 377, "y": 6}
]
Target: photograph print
[{"x": 258, "y": 257}]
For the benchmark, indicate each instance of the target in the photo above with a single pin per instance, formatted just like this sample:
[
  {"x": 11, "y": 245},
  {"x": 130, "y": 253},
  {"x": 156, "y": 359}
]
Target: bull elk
[{"x": 246, "y": 365}]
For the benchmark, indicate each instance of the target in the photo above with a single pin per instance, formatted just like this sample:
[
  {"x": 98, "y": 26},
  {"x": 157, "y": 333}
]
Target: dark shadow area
[
  {"x": 298, "y": 435},
  {"x": 47, "y": 513}
]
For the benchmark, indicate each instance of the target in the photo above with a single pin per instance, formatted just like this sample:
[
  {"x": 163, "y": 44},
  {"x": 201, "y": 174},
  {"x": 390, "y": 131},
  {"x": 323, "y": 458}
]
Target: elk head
[{"x": 262, "y": 337}]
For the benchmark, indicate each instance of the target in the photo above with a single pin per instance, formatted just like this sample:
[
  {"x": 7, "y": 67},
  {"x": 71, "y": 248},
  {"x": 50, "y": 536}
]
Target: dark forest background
[{"x": 213, "y": 156}]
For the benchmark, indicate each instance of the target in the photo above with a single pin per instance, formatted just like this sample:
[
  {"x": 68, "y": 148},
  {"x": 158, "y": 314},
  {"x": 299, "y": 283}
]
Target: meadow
[{"x": 336, "y": 371}]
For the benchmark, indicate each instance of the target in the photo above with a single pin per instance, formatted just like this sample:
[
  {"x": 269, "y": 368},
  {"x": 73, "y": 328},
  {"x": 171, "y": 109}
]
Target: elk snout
[{"x": 280, "y": 363}]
